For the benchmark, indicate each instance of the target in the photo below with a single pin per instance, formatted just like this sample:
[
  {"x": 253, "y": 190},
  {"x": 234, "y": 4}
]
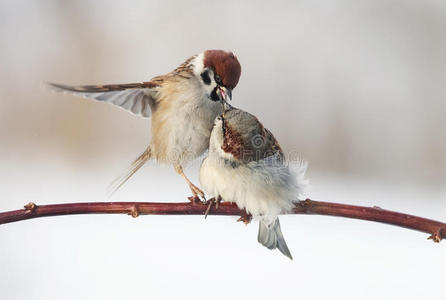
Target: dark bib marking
[{"x": 214, "y": 95}]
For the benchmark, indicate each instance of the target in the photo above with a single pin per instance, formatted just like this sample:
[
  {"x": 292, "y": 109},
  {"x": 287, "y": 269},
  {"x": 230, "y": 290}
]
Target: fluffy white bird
[
  {"x": 246, "y": 165},
  {"x": 183, "y": 105}
]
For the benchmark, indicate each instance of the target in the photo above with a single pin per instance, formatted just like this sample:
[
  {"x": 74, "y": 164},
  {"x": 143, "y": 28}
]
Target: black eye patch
[{"x": 205, "y": 77}]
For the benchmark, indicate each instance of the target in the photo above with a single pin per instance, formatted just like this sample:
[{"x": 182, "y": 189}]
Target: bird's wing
[
  {"x": 272, "y": 147},
  {"x": 260, "y": 146},
  {"x": 136, "y": 98}
]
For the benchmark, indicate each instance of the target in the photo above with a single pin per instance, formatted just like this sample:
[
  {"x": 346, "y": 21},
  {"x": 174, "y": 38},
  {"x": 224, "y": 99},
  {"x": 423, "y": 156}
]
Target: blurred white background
[{"x": 356, "y": 87}]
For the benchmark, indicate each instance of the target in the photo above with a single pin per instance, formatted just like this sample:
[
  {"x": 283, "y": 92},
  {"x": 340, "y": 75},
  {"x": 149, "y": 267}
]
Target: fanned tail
[
  {"x": 271, "y": 236},
  {"x": 135, "y": 166}
]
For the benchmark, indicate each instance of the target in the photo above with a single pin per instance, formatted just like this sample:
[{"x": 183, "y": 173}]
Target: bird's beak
[{"x": 225, "y": 93}]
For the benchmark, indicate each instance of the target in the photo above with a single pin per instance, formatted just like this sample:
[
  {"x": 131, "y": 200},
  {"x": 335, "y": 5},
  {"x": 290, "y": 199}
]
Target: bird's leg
[
  {"x": 218, "y": 201},
  {"x": 196, "y": 192},
  {"x": 245, "y": 217},
  {"x": 211, "y": 202}
]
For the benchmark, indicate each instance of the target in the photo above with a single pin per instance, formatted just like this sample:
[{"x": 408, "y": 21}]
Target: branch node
[
  {"x": 30, "y": 206},
  {"x": 134, "y": 212},
  {"x": 306, "y": 204},
  {"x": 438, "y": 236},
  {"x": 245, "y": 217},
  {"x": 435, "y": 238}
]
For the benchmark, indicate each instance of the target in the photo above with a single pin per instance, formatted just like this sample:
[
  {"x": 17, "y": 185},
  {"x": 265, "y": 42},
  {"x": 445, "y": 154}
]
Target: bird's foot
[
  {"x": 245, "y": 217},
  {"x": 197, "y": 195},
  {"x": 196, "y": 191},
  {"x": 210, "y": 203},
  {"x": 195, "y": 200}
]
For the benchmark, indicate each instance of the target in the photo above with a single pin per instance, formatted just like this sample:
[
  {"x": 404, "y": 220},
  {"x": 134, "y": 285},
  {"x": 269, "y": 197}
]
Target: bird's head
[
  {"x": 235, "y": 134},
  {"x": 219, "y": 72}
]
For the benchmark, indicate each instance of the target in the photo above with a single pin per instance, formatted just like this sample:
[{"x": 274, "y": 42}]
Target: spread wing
[{"x": 136, "y": 98}]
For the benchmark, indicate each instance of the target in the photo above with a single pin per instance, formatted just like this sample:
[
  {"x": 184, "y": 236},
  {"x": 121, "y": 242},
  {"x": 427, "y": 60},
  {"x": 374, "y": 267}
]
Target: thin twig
[{"x": 436, "y": 229}]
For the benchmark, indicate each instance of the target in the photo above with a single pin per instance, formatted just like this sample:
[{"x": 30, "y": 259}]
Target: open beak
[{"x": 225, "y": 93}]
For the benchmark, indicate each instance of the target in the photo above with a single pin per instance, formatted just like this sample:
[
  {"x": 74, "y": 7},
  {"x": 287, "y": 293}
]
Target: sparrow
[
  {"x": 245, "y": 165},
  {"x": 182, "y": 105}
]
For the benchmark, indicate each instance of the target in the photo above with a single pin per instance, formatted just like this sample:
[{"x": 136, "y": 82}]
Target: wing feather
[{"x": 136, "y": 98}]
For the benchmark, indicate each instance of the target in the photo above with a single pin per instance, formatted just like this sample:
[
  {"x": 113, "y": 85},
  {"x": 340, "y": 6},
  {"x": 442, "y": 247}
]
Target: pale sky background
[{"x": 357, "y": 88}]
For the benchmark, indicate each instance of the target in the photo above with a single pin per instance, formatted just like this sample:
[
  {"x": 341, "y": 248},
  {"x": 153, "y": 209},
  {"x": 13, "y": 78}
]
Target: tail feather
[
  {"x": 271, "y": 237},
  {"x": 135, "y": 166}
]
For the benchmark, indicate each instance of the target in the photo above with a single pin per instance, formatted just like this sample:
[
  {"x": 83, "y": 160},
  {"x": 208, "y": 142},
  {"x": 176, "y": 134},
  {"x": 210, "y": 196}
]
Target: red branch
[{"x": 436, "y": 229}]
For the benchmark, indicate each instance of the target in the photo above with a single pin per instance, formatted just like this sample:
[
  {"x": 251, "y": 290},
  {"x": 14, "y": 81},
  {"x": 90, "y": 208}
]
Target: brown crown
[{"x": 225, "y": 64}]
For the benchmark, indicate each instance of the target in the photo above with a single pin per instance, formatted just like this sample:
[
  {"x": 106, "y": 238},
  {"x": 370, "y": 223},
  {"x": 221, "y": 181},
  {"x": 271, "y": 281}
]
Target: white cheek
[
  {"x": 216, "y": 143},
  {"x": 198, "y": 69},
  {"x": 209, "y": 87}
]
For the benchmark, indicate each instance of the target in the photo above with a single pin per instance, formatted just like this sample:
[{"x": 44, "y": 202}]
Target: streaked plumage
[
  {"x": 246, "y": 165},
  {"x": 182, "y": 104}
]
